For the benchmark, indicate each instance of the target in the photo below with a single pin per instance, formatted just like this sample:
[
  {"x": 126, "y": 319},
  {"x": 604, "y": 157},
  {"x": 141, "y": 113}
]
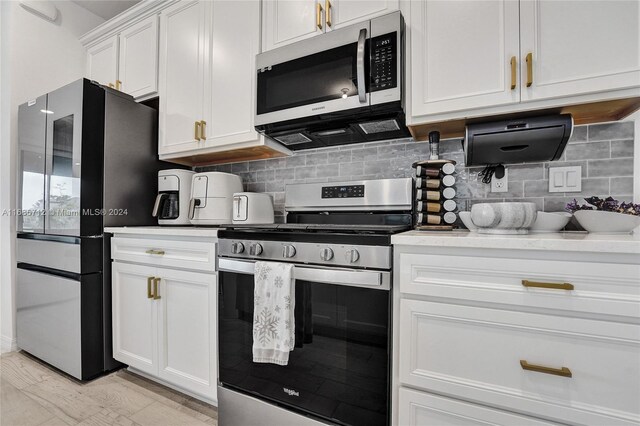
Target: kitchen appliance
[
  {"x": 252, "y": 208},
  {"x": 338, "y": 88},
  {"x": 87, "y": 160},
  {"x": 531, "y": 139},
  {"x": 338, "y": 237},
  {"x": 212, "y": 197},
  {"x": 174, "y": 193}
]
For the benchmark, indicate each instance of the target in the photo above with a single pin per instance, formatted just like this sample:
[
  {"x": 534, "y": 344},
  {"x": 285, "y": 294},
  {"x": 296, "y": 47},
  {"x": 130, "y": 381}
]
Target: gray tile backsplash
[{"x": 605, "y": 152}]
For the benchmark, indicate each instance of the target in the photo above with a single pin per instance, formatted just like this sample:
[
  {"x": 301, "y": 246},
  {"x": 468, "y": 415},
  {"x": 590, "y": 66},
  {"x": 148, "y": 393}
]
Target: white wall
[{"x": 36, "y": 56}]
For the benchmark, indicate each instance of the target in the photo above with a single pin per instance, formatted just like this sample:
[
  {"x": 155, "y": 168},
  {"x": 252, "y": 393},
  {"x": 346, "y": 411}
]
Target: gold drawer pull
[
  {"x": 149, "y": 293},
  {"x": 118, "y": 85},
  {"x": 562, "y": 371},
  {"x": 156, "y": 296},
  {"x": 327, "y": 11},
  {"x": 319, "y": 16},
  {"x": 197, "y": 130},
  {"x": 514, "y": 63},
  {"x": 203, "y": 130},
  {"x": 159, "y": 252},
  {"x": 555, "y": 286},
  {"x": 529, "y": 60}
]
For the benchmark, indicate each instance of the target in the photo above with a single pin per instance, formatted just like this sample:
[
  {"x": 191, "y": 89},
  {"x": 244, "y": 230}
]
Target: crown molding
[{"x": 129, "y": 17}]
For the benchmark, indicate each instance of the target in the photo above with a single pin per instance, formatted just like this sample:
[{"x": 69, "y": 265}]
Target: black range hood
[
  {"x": 366, "y": 124},
  {"x": 531, "y": 139}
]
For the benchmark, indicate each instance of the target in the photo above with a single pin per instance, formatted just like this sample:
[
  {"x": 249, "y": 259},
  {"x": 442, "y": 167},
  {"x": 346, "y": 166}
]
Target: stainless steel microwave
[{"x": 337, "y": 88}]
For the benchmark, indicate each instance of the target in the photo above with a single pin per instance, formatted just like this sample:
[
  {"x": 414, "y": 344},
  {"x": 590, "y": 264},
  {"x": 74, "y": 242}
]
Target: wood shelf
[{"x": 589, "y": 113}]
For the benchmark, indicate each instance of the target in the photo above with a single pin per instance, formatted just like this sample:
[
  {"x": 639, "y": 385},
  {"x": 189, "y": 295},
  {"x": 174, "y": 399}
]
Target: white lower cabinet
[
  {"x": 497, "y": 337},
  {"x": 164, "y": 320}
]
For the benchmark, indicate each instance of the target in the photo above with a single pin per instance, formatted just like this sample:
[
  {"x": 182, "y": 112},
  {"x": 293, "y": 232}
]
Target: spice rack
[{"x": 434, "y": 204}]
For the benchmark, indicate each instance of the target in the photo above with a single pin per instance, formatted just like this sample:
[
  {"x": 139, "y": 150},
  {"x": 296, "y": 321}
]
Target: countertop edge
[{"x": 178, "y": 231}]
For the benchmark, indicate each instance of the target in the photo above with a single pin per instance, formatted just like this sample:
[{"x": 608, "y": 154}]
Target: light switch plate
[{"x": 565, "y": 179}]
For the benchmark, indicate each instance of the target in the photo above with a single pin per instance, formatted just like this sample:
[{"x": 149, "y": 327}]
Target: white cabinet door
[
  {"x": 187, "y": 335},
  {"x": 102, "y": 61},
  {"x": 184, "y": 49},
  {"x": 579, "y": 47},
  {"x": 138, "y": 70},
  {"x": 231, "y": 78},
  {"x": 346, "y": 12},
  {"x": 461, "y": 55},
  {"x": 134, "y": 317},
  {"x": 288, "y": 21}
]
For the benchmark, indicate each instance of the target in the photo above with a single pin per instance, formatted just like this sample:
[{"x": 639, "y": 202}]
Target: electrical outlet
[{"x": 500, "y": 185}]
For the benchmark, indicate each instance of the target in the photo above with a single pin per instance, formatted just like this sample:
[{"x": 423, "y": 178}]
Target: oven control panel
[
  {"x": 343, "y": 191},
  {"x": 384, "y": 57}
]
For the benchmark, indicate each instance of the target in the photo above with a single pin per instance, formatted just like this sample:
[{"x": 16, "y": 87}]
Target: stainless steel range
[{"x": 338, "y": 236}]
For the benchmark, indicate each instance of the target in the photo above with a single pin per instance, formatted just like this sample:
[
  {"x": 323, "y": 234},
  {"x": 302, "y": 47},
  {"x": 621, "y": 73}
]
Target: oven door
[
  {"x": 316, "y": 76},
  {"x": 339, "y": 369}
]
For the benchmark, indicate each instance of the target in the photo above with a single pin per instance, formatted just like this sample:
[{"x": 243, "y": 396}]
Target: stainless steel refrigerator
[{"x": 87, "y": 159}]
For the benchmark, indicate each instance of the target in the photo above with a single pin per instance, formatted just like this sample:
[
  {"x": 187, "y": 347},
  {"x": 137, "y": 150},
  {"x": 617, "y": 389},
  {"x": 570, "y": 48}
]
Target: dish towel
[{"x": 274, "y": 302}]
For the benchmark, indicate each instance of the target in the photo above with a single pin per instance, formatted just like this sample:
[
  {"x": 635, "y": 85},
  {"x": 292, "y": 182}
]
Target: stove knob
[
  {"x": 326, "y": 254},
  {"x": 352, "y": 256},
  {"x": 255, "y": 249},
  {"x": 237, "y": 248},
  {"x": 288, "y": 251}
]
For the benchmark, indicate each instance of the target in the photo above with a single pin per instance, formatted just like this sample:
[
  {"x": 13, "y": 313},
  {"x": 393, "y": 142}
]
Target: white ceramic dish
[
  {"x": 503, "y": 218},
  {"x": 597, "y": 221},
  {"x": 550, "y": 222},
  {"x": 465, "y": 217}
]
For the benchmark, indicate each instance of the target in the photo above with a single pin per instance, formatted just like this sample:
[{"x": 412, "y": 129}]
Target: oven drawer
[
  {"x": 196, "y": 255},
  {"x": 423, "y": 409},
  {"x": 522, "y": 361},
  {"x": 598, "y": 288}
]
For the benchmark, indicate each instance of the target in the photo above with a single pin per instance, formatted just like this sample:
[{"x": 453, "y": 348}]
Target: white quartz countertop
[
  {"x": 178, "y": 231},
  {"x": 561, "y": 241}
]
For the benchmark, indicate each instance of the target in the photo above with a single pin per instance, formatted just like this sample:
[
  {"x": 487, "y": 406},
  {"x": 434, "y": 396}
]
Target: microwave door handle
[{"x": 362, "y": 89}]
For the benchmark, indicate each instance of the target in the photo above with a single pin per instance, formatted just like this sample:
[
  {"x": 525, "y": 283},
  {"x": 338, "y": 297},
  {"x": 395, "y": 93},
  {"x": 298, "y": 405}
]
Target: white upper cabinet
[
  {"x": 102, "y": 61},
  {"x": 340, "y": 13},
  {"x": 138, "y": 65},
  {"x": 231, "y": 77},
  {"x": 465, "y": 54},
  {"x": 288, "y": 21},
  {"x": 579, "y": 47},
  {"x": 183, "y": 56}
]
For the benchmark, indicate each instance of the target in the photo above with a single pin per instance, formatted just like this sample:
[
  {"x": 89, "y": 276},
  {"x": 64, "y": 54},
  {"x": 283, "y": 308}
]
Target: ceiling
[{"x": 106, "y": 9}]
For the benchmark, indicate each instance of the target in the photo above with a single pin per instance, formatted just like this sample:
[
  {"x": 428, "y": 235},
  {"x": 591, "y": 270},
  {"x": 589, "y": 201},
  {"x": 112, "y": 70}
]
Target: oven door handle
[
  {"x": 373, "y": 279},
  {"x": 362, "y": 89}
]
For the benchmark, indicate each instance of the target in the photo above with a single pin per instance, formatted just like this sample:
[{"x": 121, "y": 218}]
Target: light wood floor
[{"x": 33, "y": 393}]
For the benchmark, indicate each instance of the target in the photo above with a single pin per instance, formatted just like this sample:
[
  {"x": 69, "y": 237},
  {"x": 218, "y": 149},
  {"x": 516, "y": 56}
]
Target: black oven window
[
  {"x": 323, "y": 76},
  {"x": 339, "y": 369}
]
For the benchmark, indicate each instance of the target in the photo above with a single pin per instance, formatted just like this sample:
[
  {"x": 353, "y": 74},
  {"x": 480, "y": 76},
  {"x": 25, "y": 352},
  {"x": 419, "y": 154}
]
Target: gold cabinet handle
[
  {"x": 555, "y": 286},
  {"x": 319, "y": 16},
  {"x": 152, "y": 251},
  {"x": 203, "y": 130},
  {"x": 156, "y": 296},
  {"x": 111, "y": 85},
  {"x": 118, "y": 84},
  {"x": 514, "y": 63},
  {"x": 327, "y": 11},
  {"x": 197, "y": 131},
  {"x": 562, "y": 371},
  {"x": 149, "y": 293},
  {"x": 529, "y": 60}
]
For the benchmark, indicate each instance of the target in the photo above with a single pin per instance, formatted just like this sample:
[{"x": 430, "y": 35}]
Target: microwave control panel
[
  {"x": 384, "y": 57},
  {"x": 345, "y": 191}
]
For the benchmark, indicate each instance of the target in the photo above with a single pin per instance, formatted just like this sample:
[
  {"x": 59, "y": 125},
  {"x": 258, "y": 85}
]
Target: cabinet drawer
[
  {"x": 423, "y": 409},
  {"x": 476, "y": 353},
  {"x": 598, "y": 288},
  {"x": 196, "y": 255}
]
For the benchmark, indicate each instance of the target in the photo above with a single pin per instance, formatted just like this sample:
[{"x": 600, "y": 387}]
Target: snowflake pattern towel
[{"x": 273, "y": 315}]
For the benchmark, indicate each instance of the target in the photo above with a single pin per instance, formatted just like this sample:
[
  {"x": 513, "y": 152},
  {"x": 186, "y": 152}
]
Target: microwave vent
[
  {"x": 379, "y": 126},
  {"x": 293, "y": 139}
]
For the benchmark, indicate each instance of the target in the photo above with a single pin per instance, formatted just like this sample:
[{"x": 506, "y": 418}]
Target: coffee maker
[{"x": 172, "y": 202}]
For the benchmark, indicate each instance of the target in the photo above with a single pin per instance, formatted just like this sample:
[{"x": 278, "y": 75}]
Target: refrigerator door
[
  {"x": 32, "y": 120},
  {"x": 64, "y": 143}
]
